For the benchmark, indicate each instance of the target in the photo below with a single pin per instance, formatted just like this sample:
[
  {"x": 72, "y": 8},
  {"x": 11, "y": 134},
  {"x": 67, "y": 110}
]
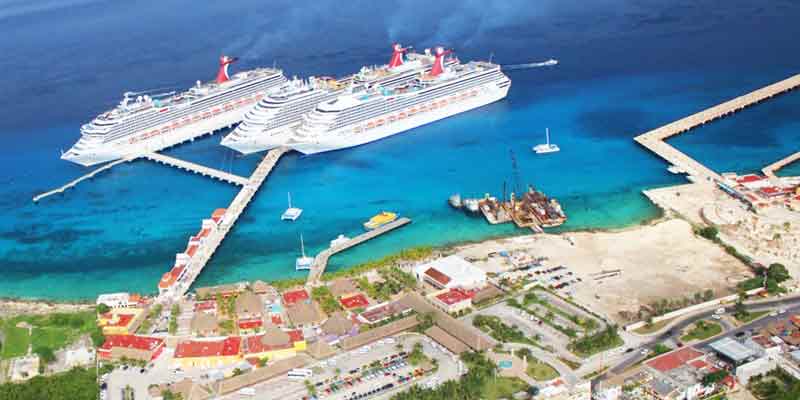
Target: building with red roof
[
  {"x": 141, "y": 348},
  {"x": 449, "y": 272},
  {"x": 452, "y": 300},
  {"x": 208, "y": 306},
  {"x": 674, "y": 359},
  {"x": 274, "y": 343},
  {"x": 217, "y": 215},
  {"x": 120, "y": 321},
  {"x": 170, "y": 278},
  {"x": 382, "y": 312},
  {"x": 208, "y": 353},
  {"x": 294, "y": 296},
  {"x": 357, "y": 300}
]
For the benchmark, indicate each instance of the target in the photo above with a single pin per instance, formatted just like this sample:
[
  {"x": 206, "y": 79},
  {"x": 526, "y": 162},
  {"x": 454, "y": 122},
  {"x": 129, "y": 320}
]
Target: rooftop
[
  {"x": 354, "y": 301},
  {"x": 131, "y": 342},
  {"x": 455, "y": 295},
  {"x": 674, "y": 359},
  {"x": 208, "y": 348},
  {"x": 731, "y": 349},
  {"x": 293, "y": 296}
]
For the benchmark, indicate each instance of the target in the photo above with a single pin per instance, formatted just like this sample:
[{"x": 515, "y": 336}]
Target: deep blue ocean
[{"x": 625, "y": 67}]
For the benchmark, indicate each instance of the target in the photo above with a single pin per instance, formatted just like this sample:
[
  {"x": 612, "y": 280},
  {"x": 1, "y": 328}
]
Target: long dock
[
  {"x": 769, "y": 170},
  {"x": 654, "y": 139},
  {"x": 321, "y": 260},
  {"x": 196, "y": 168},
  {"x": 78, "y": 180},
  {"x": 232, "y": 213}
]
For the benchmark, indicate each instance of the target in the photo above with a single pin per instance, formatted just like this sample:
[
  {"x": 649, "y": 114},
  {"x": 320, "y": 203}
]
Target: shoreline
[{"x": 450, "y": 247}]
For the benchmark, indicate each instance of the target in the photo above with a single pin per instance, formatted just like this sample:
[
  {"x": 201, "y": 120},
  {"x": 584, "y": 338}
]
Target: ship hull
[
  {"x": 346, "y": 137},
  {"x": 265, "y": 141},
  {"x": 123, "y": 147}
]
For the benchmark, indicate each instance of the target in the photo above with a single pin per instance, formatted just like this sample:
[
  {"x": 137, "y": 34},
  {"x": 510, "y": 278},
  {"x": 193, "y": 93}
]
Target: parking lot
[{"x": 375, "y": 371}]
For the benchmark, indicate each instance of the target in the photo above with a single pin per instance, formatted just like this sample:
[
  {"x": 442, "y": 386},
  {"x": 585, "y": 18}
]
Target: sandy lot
[
  {"x": 663, "y": 260},
  {"x": 10, "y": 308}
]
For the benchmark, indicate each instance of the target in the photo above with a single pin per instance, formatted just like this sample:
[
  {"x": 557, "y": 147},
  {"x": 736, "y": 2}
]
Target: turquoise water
[{"x": 625, "y": 68}]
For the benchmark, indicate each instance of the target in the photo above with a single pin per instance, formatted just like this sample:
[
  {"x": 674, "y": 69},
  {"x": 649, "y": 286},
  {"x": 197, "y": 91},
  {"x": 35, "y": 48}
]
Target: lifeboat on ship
[
  {"x": 370, "y": 125},
  {"x": 380, "y": 122},
  {"x": 423, "y": 108},
  {"x": 165, "y": 129},
  {"x": 474, "y": 93},
  {"x": 412, "y": 112},
  {"x": 216, "y": 111},
  {"x": 402, "y": 115}
]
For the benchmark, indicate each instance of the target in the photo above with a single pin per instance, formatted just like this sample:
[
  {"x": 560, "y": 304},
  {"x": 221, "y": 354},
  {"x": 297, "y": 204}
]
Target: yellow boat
[{"x": 380, "y": 220}]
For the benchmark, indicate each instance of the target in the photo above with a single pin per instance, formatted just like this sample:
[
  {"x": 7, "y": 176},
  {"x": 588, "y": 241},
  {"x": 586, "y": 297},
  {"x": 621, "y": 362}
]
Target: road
[{"x": 791, "y": 305}]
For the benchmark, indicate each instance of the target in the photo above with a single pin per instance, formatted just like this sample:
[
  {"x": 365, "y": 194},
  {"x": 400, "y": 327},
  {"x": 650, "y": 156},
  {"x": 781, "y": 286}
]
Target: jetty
[
  {"x": 321, "y": 260},
  {"x": 232, "y": 213},
  {"x": 196, "y": 168},
  {"x": 654, "y": 139},
  {"x": 82, "y": 178},
  {"x": 769, "y": 170}
]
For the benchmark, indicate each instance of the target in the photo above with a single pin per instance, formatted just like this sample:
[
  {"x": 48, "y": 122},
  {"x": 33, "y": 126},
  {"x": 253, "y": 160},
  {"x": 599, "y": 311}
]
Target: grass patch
[
  {"x": 752, "y": 316},
  {"x": 16, "y": 341},
  {"x": 651, "y": 328},
  {"x": 540, "y": 371},
  {"x": 572, "y": 364},
  {"x": 502, "y": 388},
  {"x": 53, "y": 331},
  {"x": 499, "y": 330},
  {"x": 702, "y": 330},
  {"x": 596, "y": 343}
]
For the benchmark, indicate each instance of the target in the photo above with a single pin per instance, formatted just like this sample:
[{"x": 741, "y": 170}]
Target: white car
[
  {"x": 782, "y": 311},
  {"x": 716, "y": 316},
  {"x": 773, "y": 314}
]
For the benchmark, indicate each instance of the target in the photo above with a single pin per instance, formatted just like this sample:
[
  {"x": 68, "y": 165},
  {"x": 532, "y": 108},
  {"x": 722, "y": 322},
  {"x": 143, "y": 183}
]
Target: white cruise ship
[
  {"x": 272, "y": 121},
  {"x": 149, "y": 122},
  {"x": 365, "y": 116}
]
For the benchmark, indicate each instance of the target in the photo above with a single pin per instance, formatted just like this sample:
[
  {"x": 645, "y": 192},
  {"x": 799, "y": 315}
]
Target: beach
[{"x": 660, "y": 260}]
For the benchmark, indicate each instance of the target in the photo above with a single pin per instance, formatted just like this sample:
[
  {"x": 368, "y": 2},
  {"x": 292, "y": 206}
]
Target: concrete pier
[
  {"x": 654, "y": 140},
  {"x": 321, "y": 260},
  {"x": 769, "y": 170},
  {"x": 232, "y": 213},
  {"x": 82, "y": 178},
  {"x": 196, "y": 168}
]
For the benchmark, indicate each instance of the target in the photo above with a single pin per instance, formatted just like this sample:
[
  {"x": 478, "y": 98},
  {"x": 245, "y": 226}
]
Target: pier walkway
[
  {"x": 82, "y": 178},
  {"x": 232, "y": 213},
  {"x": 321, "y": 260},
  {"x": 769, "y": 170},
  {"x": 654, "y": 140},
  {"x": 196, "y": 168}
]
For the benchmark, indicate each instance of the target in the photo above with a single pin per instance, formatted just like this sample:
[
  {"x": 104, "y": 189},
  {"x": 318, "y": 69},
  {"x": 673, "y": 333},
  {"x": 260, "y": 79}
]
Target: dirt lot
[{"x": 664, "y": 260}]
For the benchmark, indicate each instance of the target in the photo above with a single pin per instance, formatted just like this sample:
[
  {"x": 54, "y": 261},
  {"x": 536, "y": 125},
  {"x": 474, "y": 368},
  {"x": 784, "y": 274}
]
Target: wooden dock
[
  {"x": 78, "y": 180},
  {"x": 769, "y": 170},
  {"x": 196, "y": 168},
  {"x": 654, "y": 140},
  {"x": 232, "y": 213},
  {"x": 321, "y": 260}
]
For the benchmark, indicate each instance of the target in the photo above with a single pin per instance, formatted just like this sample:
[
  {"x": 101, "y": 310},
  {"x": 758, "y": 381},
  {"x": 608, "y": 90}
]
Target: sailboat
[
  {"x": 303, "y": 263},
  {"x": 291, "y": 213},
  {"x": 547, "y": 147}
]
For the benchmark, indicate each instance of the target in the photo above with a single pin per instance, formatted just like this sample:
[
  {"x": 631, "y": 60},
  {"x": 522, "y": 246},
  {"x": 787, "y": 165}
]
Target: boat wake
[{"x": 547, "y": 63}]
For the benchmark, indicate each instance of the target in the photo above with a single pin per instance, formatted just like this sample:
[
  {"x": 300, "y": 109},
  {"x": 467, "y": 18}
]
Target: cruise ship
[
  {"x": 377, "y": 112},
  {"x": 271, "y": 122},
  {"x": 145, "y": 122}
]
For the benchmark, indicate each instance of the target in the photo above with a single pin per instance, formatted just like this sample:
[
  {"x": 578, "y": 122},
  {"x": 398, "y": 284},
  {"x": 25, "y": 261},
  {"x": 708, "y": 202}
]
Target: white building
[
  {"x": 115, "y": 300},
  {"x": 759, "y": 366},
  {"x": 451, "y": 272}
]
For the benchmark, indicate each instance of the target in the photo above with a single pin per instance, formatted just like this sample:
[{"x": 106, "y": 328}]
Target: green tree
[
  {"x": 777, "y": 272},
  {"x": 170, "y": 395},
  {"x": 46, "y": 354},
  {"x": 102, "y": 308},
  {"x": 98, "y": 338},
  {"x": 237, "y": 372},
  {"x": 714, "y": 377}
]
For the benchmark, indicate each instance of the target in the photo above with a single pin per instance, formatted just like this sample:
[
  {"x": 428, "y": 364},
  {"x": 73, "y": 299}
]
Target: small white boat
[
  {"x": 304, "y": 262},
  {"x": 291, "y": 213},
  {"x": 455, "y": 201},
  {"x": 340, "y": 240},
  {"x": 547, "y": 147},
  {"x": 675, "y": 169},
  {"x": 472, "y": 205}
]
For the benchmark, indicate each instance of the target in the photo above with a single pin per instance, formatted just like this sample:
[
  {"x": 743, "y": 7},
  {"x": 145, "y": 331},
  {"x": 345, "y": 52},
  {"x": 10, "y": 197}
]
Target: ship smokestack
[
  {"x": 438, "y": 63},
  {"x": 222, "y": 75},
  {"x": 397, "y": 55}
]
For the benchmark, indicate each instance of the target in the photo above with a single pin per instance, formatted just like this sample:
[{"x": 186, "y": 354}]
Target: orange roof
[
  {"x": 192, "y": 349},
  {"x": 205, "y": 305},
  {"x": 276, "y": 319},
  {"x": 191, "y": 250},
  {"x": 203, "y": 232},
  {"x": 217, "y": 214},
  {"x": 295, "y": 296},
  {"x": 169, "y": 278},
  {"x": 750, "y": 178}
]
